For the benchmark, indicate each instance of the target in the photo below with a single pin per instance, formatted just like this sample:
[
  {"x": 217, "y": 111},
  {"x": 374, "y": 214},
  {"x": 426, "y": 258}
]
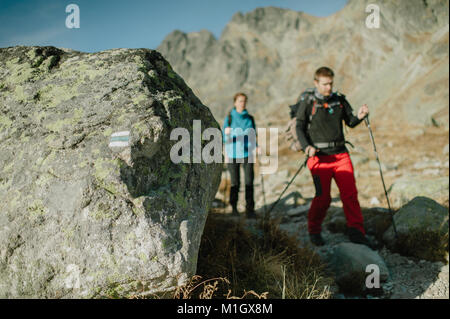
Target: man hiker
[
  {"x": 240, "y": 142},
  {"x": 319, "y": 129}
]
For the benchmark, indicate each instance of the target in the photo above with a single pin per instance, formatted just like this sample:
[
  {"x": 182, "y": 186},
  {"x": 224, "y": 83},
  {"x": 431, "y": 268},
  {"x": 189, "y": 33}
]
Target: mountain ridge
[{"x": 271, "y": 53}]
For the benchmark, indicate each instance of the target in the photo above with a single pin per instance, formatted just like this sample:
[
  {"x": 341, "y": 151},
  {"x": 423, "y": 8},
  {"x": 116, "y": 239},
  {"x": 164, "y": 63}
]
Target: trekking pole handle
[{"x": 366, "y": 119}]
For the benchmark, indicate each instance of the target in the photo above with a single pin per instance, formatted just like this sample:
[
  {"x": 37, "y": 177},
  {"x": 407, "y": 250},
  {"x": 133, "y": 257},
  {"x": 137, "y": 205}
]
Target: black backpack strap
[
  {"x": 305, "y": 94},
  {"x": 229, "y": 119},
  {"x": 293, "y": 110},
  {"x": 253, "y": 121},
  {"x": 311, "y": 107},
  {"x": 253, "y": 124}
]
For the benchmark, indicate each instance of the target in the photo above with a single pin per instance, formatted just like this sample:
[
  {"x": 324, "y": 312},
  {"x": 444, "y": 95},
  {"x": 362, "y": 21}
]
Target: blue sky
[{"x": 129, "y": 24}]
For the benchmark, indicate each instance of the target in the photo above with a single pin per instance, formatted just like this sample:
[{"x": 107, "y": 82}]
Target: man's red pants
[{"x": 323, "y": 168}]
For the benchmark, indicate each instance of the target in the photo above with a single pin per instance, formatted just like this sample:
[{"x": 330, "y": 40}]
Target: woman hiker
[{"x": 240, "y": 144}]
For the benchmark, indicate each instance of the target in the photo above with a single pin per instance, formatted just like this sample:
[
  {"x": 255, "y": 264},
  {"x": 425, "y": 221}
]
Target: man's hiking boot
[
  {"x": 358, "y": 237},
  {"x": 316, "y": 239}
]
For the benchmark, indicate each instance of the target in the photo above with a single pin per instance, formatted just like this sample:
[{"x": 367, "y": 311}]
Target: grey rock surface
[
  {"x": 81, "y": 219},
  {"x": 406, "y": 188},
  {"x": 352, "y": 262}
]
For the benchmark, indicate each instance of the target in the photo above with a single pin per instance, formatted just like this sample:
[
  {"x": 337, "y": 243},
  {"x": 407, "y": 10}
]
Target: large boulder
[
  {"x": 353, "y": 264},
  {"x": 406, "y": 188},
  {"x": 86, "y": 212},
  {"x": 422, "y": 228}
]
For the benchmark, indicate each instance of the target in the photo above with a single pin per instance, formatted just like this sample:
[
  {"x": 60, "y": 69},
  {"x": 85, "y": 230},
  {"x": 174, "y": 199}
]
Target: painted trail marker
[{"x": 119, "y": 139}]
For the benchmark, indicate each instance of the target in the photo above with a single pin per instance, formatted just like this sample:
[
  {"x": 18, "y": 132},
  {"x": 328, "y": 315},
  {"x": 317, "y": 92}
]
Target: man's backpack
[{"x": 290, "y": 132}]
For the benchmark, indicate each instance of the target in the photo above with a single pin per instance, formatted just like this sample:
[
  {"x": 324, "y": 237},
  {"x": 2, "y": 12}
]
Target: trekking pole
[
  {"x": 262, "y": 186},
  {"x": 274, "y": 204},
  {"x": 225, "y": 198},
  {"x": 366, "y": 119}
]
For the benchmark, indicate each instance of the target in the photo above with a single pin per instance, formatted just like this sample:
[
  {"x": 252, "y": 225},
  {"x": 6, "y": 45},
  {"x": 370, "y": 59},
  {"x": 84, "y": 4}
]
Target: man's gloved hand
[
  {"x": 310, "y": 151},
  {"x": 363, "y": 111}
]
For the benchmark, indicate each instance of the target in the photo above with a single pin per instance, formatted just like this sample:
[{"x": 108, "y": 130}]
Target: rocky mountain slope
[{"x": 399, "y": 69}]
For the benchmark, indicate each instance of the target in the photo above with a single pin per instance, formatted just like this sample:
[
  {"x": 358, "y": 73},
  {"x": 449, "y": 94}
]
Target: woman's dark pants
[{"x": 234, "y": 168}]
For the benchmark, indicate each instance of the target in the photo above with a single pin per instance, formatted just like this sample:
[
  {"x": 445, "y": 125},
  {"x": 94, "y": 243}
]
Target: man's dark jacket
[{"x": 319, "y": 120}]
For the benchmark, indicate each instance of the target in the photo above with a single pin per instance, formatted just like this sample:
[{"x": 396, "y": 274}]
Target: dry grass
[
  {"x": 423, "y": 245},
  {"x": 259, "y": 261},
  {"x": 206, "y": 289}
]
